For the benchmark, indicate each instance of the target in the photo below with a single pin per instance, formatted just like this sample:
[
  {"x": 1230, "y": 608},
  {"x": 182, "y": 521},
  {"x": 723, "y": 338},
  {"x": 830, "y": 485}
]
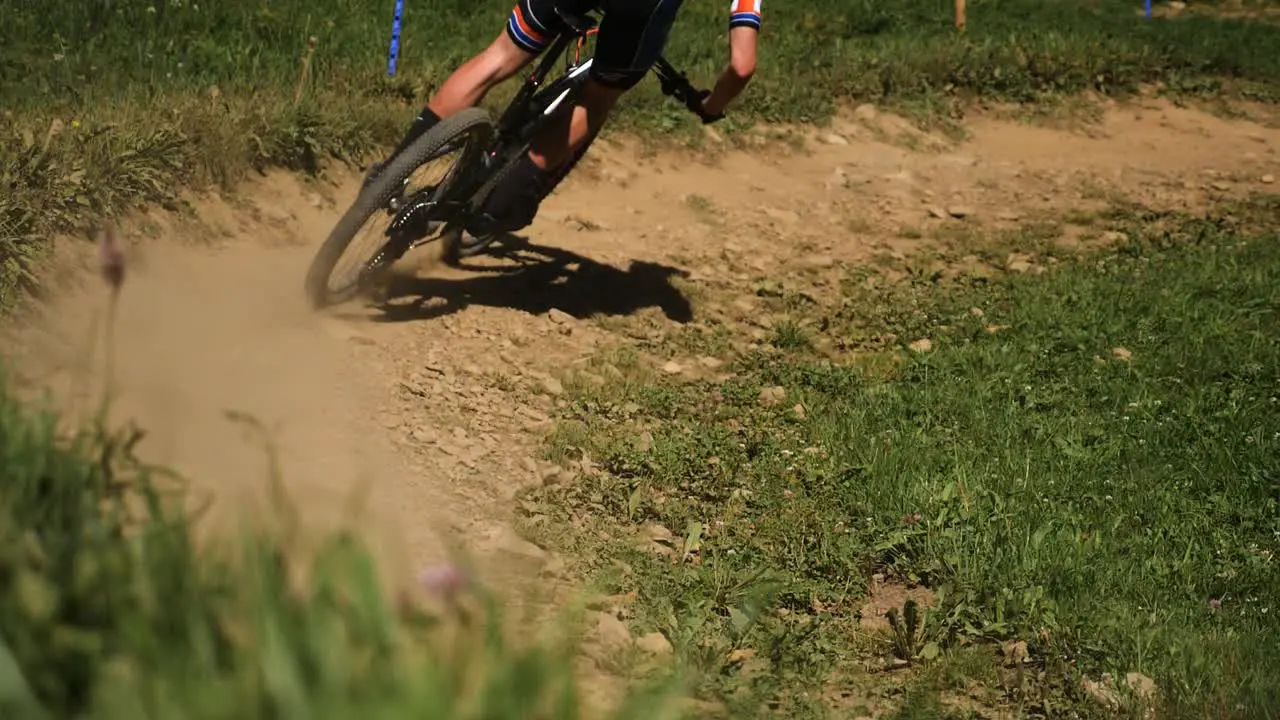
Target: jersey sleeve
[{"x": 745, "y": 13}]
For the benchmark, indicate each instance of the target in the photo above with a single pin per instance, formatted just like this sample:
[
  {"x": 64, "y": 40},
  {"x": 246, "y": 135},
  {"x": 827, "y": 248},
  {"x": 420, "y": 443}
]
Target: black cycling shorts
[{"x": 632, "y": 33}]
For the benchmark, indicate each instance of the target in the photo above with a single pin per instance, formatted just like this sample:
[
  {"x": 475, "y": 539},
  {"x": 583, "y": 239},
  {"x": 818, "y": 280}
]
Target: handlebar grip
[{"x": 676, "y": 84}]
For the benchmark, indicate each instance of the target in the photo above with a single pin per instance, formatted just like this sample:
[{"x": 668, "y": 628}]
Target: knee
[
  {"x": 599, "y": 99},
  {"x": 743, "y": 65},
  {"x": 499, "y": 61}
]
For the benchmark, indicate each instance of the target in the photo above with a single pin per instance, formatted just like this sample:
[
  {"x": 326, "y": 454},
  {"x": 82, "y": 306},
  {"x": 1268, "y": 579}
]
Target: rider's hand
[{"x": 707, "y": 116}]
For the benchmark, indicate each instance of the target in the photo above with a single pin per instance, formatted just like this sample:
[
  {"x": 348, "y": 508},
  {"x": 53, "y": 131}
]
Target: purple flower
[{"x": 445, "y": 580}]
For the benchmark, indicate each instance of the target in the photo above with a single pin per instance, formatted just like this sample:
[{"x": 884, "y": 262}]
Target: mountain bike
[{"x": 487, "y": 151}]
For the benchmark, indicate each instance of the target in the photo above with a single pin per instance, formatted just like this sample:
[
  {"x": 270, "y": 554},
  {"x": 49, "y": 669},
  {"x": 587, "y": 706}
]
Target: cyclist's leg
[
  {"x": 524, "y": 38},
  {"x": 632, "y": 36}
]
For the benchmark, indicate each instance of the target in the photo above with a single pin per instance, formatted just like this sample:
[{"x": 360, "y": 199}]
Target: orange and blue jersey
[
  {"x": 524, "y": 28},
  {"x": 745, "y": 13}
]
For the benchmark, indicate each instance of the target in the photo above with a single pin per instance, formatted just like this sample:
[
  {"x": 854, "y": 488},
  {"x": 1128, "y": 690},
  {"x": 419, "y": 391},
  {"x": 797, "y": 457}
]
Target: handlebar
[{"x": 676, "y": 84}]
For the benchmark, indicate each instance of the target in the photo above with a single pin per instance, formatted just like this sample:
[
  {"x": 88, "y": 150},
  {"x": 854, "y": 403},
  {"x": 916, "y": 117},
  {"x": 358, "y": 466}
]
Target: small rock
[
  {"x": 611, "y": 631},
  {"x": 977, "y": 312},
  {"x": 1008, "y": 216},
  {"x": 865, "y": 111},
  {"x": 553, "y": 386},
  {"x": 1268, "y": 179},
  {"x": 834, "y": 139},
  {"x": 1016, "y": 653},
  {"x": 424, "y": 435},
  {"x": 656, "y": 533},
  {"x": 959, "y": 211},
  {"x": 741, "y": 655},
  {"x": 937, "y": 212},
  {"x": 558, "y": 476},
  {"x": 710, "y": 363},
  {"x": 559, "y": 317},
  {"x": 787, "y": 216},
  {"x": 509, "y": 542},
  {"x": 616, "y": 176},
  {"x": 772, "y": 396},
  {"x": 798, "y": 411},
  {"x": 673, "y": 368},
  {"x": 712, "y": 135},
  {"x": 655, "y": 644},
  {"x": 1120, "y": 353},
  {"x": 1017, "y": 263},
  {"x": 1101, "y": 692},
  {"x": 1113, "y": 236},
  {"x": 644, "y": 441},
  {"x": 591, "y": 378},
  {"x": 1142, "y": 686},
  {"x": 923, "y": 345},
  {"x": 1220, "y": 186},
  {"x": 554, "y": 567}
]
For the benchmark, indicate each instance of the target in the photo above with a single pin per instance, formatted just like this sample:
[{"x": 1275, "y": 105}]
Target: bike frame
[
  {"x": 535, "y": 103},
  {"x": 523, "y": 116}
]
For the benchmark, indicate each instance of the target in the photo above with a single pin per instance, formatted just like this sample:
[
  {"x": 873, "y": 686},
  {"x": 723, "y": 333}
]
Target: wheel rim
[{"x": 373, "y": 240}]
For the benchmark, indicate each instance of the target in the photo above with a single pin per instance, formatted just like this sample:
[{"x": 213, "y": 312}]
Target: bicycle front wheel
[{"x": 468, "y": 131}]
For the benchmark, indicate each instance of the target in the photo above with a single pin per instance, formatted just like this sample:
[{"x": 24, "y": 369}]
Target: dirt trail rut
[{"x": 435, "y": 406}]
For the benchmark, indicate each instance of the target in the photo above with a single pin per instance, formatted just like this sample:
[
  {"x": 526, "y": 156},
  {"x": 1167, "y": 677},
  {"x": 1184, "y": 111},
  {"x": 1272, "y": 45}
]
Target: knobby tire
[{"x": 374, "y": 198}]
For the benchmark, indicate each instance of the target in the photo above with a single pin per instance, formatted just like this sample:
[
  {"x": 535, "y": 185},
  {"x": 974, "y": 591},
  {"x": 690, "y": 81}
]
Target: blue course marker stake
[
  {"x": 1148, "y": 9},
  {"x": 395, "y": 39}
]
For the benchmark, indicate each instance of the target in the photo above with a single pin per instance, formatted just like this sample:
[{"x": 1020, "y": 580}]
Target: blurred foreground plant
[{"x": 109, "y": 608}]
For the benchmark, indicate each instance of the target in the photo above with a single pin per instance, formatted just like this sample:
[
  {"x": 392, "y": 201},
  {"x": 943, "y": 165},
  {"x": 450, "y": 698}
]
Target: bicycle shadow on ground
[{"x": 537, "y": 279}]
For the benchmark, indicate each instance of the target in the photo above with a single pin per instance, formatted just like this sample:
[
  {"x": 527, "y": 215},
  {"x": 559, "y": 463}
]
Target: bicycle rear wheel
[{"x": 469, "y": 130}]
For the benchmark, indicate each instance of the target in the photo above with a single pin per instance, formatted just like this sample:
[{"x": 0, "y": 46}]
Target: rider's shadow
[{"x": 537, "y": 279}]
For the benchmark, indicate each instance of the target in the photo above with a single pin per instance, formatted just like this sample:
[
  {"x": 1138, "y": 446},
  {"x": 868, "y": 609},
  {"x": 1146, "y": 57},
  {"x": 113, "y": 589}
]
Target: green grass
[
  {"x": 1047, "y": 490},
  {"x": 109, "y": 610},
  {"x": 158, "y": 97},
  {"x": 1117, "y": 511}
]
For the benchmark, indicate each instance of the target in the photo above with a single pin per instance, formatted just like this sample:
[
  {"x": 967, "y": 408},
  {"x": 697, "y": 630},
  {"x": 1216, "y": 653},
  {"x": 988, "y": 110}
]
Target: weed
[{"x": 788, "y": 335}]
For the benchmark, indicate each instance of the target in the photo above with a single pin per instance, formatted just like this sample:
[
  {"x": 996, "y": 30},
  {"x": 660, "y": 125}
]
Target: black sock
[{"x": 421, "y": 124}]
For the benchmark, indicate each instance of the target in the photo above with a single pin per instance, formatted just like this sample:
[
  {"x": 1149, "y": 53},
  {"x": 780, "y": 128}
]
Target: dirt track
[{"x": 436, "y": 408}]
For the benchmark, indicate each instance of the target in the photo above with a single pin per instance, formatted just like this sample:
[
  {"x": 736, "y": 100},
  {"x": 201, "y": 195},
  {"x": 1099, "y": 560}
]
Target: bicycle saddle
[{"x": 579, "y": 23}]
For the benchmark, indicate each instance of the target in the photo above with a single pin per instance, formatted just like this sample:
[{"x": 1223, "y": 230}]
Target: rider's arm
[{"x": 744, "y": 29}]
